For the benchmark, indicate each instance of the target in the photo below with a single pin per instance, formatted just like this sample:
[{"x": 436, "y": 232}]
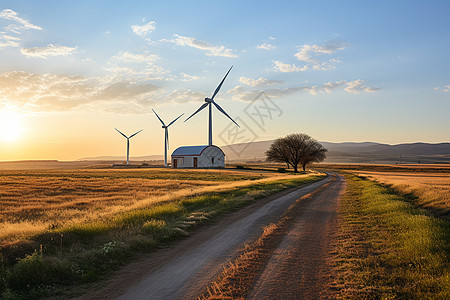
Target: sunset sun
[{"x": 10, "y": 125}]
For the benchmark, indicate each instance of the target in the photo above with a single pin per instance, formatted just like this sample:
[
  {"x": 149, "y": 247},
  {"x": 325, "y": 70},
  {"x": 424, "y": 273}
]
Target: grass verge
[
  {"x": 387, "y": 249},
  {"x": 50, "y": 263}
]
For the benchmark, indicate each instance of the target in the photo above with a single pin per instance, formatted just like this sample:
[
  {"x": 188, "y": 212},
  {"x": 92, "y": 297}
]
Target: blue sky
[{"x": 337, "y": 70}]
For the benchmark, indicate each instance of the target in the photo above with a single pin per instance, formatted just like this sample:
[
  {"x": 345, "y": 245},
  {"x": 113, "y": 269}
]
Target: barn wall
[
  {"x": 207, "y": 154},
  {"x": 203, "y": 161},
  {"x": 188, "y": 161}
]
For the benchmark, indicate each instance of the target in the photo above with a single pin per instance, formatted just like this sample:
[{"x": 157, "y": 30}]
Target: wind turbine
[
  {"x": 210, "y": 101},
  {"x": 166, "y": 134},
  {"x": 128, "y": 142}
]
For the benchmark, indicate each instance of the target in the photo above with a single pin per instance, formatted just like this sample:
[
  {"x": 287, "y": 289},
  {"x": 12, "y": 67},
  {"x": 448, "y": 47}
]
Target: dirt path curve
[
  {"x": 297, "y": 268},
  {"x": 184, "y": 269}
]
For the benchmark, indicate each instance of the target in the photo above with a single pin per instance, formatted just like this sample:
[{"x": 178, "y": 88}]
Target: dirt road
[
  {"x": 183, "y": 270},
  {"x": 297, "y": 269}
]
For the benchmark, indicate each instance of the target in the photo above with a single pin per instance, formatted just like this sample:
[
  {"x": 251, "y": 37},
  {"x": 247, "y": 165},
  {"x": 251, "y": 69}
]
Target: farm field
[
  {"x": 83, "y": 223},
  {"x": 387, "y": 248},
  {"x": 427, "y": 190},
  {"x": 34, "y": 201}
]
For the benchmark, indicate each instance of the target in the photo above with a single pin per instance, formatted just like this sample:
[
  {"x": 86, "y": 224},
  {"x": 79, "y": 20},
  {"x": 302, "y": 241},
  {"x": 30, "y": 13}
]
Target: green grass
[
  {"x": 387, "y": 249},
  {"x": 158, "y": 173},
  {"x": 89, "y": 252}
]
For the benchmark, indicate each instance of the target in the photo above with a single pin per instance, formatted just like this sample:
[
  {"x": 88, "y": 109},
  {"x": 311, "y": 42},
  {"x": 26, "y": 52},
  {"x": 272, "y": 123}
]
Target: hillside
[{"x": 351, "y": 152}]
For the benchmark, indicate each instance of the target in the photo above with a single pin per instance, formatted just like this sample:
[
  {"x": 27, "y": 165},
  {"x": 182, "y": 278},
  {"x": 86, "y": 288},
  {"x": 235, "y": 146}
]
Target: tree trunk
[
  {"x": 295, "y": 168},
  {"x": 304, "y": 167},
  {"x": 287, "y": 165}
]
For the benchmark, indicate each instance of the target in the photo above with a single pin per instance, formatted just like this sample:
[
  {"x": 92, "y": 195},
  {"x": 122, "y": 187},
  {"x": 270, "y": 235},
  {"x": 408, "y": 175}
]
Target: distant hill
[
  {"x": 351, "y": 152},
  {"x": 120, "y": 158}
]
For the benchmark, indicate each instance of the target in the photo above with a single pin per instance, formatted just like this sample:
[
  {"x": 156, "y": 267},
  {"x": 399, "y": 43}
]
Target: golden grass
[
  {"x": 35, "y": 201},
  {"x": 386, "y": 249},
  {"x": 431, "y": 189}
]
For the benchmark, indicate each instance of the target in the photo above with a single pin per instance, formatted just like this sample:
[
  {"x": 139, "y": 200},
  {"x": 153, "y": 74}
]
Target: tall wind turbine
[
  {"x": 128, "y": 142},
  {"x": 166, "y": 134},
  {"x": 210, "y": 101}
]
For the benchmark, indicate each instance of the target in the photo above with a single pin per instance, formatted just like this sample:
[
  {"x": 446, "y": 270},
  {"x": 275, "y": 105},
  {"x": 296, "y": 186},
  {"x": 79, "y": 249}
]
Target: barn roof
[{"x": 191, "y": 150}]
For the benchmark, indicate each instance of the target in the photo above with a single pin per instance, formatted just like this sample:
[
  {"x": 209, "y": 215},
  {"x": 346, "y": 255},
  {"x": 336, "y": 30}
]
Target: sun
[{"x": 10, "y": 125}]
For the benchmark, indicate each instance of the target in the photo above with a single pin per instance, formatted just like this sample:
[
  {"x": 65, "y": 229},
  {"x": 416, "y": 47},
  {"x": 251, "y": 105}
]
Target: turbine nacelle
[
  {"x": 166, "y": 135},
  {"x": 209, "y": 103}
]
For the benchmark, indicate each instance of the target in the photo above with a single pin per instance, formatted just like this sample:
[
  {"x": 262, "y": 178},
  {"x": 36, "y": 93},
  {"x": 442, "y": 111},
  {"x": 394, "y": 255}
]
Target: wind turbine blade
[
  {"x": 135, "y": 133},
  {"x": 159, "y": 118},
  {"x": 174, "y": 120},
  {"x": 222, "y": 111},
  {"x": 121, "y": 133},
  {"x": 201, "y": 107},
  {"x": 220, "y": 85}
]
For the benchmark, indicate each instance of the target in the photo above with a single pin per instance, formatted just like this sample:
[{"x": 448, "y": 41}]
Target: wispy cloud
[
  {"x": 210, "y": 49},
  {"x": 356, "y": 86},
  {"x": 187, "y": 77},
  {"x": 285, "y": 68},
  {"x": 144, "y": 30},
  {"x": 59, "y": 92},
  {"x": 445, "y": 88},
  {"x": 359, "y": 86},
  {"x": 258, "y": 82},
  {"x": 9, "y": 14},
  {"x": 312, "y": 58},
  {"x": 10, "y": 36},
  {"x": 309, "y": 53},
  {"x": 50, "y": 50},
  {"x": 183, "y": 96},
  {"x": 141, "y": 66},
  {"x": 129, "y": 57},
  {"x": 266, "y": 46}
]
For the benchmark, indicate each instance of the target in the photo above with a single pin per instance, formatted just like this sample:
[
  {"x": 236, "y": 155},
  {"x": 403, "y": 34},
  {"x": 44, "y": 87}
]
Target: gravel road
[{"x": 182, "y": 270}]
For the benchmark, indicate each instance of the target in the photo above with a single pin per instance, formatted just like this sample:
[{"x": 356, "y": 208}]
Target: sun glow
[{"x": 10, "y": 125}]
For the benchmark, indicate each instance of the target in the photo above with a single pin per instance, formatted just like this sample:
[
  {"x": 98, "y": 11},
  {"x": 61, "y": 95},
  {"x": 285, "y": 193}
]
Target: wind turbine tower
[
  {"x": 208, "y": 102},
  {"x": 128, "y": 142},
  {"x": 166, "y": 135}
]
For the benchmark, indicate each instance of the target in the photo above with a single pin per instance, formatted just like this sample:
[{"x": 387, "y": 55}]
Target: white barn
[{"x": 198, "y": 157}]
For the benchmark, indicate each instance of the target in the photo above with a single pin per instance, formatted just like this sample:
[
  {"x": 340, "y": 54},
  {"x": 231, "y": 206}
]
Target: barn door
[
  {"x": 195, "y": 162},
  {"x": 175, "y": 163}
]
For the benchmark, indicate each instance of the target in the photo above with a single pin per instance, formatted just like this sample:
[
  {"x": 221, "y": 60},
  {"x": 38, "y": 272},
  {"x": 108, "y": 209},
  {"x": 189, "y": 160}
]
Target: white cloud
[
  {"x": 182, "y": 96},
  {"x": 445, "y": 88},
  {"x": 9, "y": 14},
  {"x": 59, "y": 92},
  {"x": 312, "y": 57},
  {"x": 210, "y": 50},
  {"x": 187, "y": 77},
  {"x": 308, "y": 53},
  {"x": 266, "y": 46},
  {"x": 356, "y": 86},
  {"x": 285, "y": 68},
  {"x": 258, "y": 82},
  {"x": 50, "y": 50},
  {"x": 143, "y": 30},
  {"x": 140, "y": 66},
  {"x": 9, "y": 37},
  {"x": 129, "y": 57}
]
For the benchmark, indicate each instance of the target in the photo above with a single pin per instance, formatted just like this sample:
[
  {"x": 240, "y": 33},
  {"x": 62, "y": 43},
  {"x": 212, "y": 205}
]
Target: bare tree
[{"x": 295, "y": 149}]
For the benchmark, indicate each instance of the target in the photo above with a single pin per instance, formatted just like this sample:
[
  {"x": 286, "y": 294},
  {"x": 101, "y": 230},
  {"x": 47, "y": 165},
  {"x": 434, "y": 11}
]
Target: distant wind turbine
[
  {"x": 128, "y": 143},
  {"x": 208, "y": 103},
  {"x": 166, "y": 134}
]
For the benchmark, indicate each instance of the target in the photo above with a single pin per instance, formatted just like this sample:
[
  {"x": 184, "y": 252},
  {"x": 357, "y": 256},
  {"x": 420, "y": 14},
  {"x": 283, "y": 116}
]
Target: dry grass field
[
  {"x": 37, "y": 200},
  {"x": 428, "y": 190},
  {"x": 61, "y": 228}
]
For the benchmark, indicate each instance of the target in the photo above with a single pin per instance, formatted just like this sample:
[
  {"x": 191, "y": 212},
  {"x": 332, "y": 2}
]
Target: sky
[{"x": 72, "y": 71}]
